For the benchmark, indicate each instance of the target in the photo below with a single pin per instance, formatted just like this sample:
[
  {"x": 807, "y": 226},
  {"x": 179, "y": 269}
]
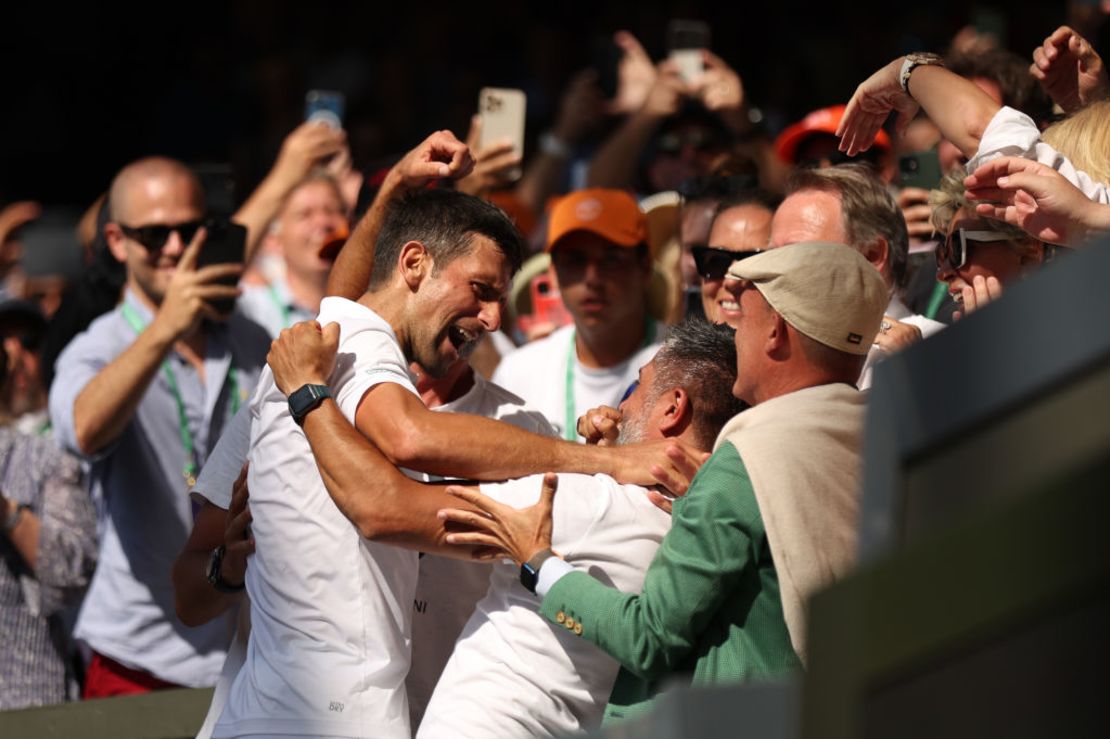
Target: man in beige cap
[{"x": 770, "y": 518}]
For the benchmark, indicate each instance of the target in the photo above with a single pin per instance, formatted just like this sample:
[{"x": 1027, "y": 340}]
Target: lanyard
[
  {"x": 190, "y": 469},
  {"x": 570, "y": 431},
  {"x": 281, "y": 305}
]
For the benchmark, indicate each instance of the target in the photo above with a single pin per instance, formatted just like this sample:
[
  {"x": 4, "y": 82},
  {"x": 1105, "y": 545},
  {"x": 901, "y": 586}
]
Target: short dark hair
[
  {"x": 866, "y": 206},
  {"x": 445, "y": 222},
  {"x": 700, "y": 357}
]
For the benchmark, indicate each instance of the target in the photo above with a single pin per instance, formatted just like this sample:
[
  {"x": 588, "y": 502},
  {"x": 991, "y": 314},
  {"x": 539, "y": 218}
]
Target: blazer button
[
  {"x": 578, "y": 629},
  {"x": 569, "y": 623},
  {"x": 560, "y": 617}
]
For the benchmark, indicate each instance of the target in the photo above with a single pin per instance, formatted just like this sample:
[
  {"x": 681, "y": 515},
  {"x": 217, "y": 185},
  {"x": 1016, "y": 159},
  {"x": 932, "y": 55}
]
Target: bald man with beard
[{"x": 142, "y": 395}]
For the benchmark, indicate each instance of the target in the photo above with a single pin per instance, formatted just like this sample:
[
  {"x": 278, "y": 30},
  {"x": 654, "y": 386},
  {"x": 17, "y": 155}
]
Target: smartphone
[
  {"x": 920, "y": 169},
  {"x": 219, "y": 187},
  {"x": 686, "y": 40},
  {"x": 502, "y": 112},
  {"x": 606, "y": 58},
  {"x": 226, "y": 243},
  {"x": 326, "y": 106},
  {"x": 547, "y": 304}
]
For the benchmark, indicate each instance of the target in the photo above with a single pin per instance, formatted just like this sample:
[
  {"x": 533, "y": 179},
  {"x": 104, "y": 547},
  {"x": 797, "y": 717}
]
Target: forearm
[
  {"x": 384, "y": 504},
  {"x": 352, "y": 269},
  {"x": 958, "y": 107},
  {"x": 106, "y": 404},
  {"x": 540, "y": 180},
  {"x": 261, "y": 208},
  {"x": 24, "y": 536},
  {"x": 614, "y": 164},
  {"x": 195, "y": 600}
]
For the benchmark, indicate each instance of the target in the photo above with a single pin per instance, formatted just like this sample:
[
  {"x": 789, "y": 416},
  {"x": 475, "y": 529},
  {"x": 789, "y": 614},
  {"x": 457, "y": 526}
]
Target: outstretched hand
[
  {"x": 303, "y": 355},
  {"x": 668, "y": 463},
  {"x": 516, "y": 533},
  {"x": 869, "y": 107},
  {"x": 635, "y": 75},
  {"x": 1037, "y": 199},
  {"x": 1070, "y": 70}
]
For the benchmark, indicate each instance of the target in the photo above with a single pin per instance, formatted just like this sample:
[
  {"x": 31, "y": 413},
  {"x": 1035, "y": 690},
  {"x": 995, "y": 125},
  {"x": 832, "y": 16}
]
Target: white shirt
[
  {"x": 330, "y": 611},
  {"x": 447, "y": 589},
  {"x": 538, "y": 372},
  {"x": 513, "y": 673},
  {"x": 899, "y": 312},
  {"x": 272, "y": 306},
  {"x": 1013, "y": 133}
]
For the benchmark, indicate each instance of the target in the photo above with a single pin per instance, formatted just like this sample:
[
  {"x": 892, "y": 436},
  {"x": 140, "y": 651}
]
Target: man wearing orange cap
[
  {"x": 812, "y": 141},
  {"x": 597, "y": 239}
]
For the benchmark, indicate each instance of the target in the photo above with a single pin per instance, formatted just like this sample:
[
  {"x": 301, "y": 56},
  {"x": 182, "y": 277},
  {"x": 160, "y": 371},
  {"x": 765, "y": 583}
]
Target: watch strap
[
  {"x": 912, "y": 62},
  {"x": 215, "y": 572},
  {"x": 530, "y": 570},
  {"x": 305, "y": 398}
]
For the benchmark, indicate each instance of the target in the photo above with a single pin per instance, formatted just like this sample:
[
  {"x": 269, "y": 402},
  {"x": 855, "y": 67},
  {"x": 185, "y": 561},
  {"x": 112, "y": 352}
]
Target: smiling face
[
  {"x": 311, "y": 214},
  {"x": 743, "y": 228},
  {"x": 161, "y": 199},
  {"x": 752, "y": 322},
  {"x": 456, "y": 304},
  {"x": 1003, "y": 260}
]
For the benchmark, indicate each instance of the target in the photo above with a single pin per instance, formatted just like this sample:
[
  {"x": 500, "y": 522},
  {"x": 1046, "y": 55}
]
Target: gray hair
[
  {"x": 951, "y": 196},
  {"x": 700, "y": 357},
  {"x": 867, "y": 208}
]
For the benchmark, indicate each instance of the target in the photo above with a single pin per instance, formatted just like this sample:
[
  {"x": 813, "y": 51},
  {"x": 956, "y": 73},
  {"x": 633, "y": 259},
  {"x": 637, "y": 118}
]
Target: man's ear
[
  {"x": 414, "y": 263},
  {"x": 116, "y": 242},
  {"x": 678, "y": 411},
  {"x": 777, "y": 339},
  {"x": 878, "y": 253}
]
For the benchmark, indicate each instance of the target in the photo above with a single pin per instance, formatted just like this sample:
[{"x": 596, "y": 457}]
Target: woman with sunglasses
[
  {"x": 979, "y": 255},
  {"x": 741, "y": 227}
]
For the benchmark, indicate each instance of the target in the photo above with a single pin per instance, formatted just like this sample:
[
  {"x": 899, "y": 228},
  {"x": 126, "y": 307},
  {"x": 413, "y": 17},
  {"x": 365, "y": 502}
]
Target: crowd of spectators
[{"x": 482, "y": 444}]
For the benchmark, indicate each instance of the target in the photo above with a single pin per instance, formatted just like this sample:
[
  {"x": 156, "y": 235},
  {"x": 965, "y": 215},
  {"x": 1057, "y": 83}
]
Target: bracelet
[
  {"x": 554, "y": 146},
  {"x": 912, "y": 62}
]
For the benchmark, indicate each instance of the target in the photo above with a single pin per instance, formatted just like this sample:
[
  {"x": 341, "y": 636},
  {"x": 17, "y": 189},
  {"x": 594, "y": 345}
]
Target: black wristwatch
[
  {"x": 530, "y": 570},
  {"x": 215, "y": 577},
  {"x": 305, "y": 398}
]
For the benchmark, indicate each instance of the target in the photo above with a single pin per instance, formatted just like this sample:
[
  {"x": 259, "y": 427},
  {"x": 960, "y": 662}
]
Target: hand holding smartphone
[
  {"x": 687, "y": 41},
  {"x": 326, "y": 106},
  {"x": 501, "y": 111}
]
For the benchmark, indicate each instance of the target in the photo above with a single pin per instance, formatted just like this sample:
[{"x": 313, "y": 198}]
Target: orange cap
[
  {"x": 824, "y": 120},
  {"x": 611, "y": 214}
]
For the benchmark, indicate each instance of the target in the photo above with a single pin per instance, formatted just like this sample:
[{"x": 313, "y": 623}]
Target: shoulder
[
  {"x": 723, "y": 483},
  {"x": 105, "y": 337}
]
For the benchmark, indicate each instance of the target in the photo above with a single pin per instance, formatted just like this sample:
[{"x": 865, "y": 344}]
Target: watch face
[{"x": 528, "y": 577}]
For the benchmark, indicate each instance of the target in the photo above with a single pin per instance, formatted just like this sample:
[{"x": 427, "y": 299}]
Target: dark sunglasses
[
  {"x": 155, "y": 236},
  {"x": 952, "y": 252},
  {"x": 712, "y": 262}
]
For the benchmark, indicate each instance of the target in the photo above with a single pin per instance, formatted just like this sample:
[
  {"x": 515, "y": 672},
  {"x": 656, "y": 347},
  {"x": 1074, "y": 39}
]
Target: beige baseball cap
[{"x": 827, "y": 291}]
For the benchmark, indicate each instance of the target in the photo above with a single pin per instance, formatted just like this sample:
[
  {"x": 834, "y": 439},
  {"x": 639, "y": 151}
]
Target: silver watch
[{"x": 912, "y": 62}]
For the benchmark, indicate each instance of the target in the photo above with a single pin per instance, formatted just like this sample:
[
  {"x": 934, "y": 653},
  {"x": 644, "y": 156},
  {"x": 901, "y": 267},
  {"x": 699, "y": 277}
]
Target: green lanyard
[
  {"x": 191, "y": 468},
  {"x": 570, "y": 431},
  {"x": 936, "y": 299},
  {"x": 280, "y": 305}
]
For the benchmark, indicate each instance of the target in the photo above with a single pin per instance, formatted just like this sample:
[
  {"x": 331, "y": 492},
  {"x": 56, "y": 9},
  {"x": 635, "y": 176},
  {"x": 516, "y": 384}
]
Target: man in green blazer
[{"x": 769, "y": 518}]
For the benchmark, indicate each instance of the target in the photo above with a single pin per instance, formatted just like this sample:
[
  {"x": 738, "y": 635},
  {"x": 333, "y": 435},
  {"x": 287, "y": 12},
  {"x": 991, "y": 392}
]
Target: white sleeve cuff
[{"x": 550, "y": 573}]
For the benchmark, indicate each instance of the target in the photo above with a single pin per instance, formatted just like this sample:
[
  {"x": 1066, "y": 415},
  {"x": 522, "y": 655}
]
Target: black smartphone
[
  {"x": 920, "y": 169},
  {"x": 606, "y": 59},
  {"x": 226, "y": 243}
]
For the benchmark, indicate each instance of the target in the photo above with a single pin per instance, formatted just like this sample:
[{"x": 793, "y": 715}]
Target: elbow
[{"x": 405, "y": 447}]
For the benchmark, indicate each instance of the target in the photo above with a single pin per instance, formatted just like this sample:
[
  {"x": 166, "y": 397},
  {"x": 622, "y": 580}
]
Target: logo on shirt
[{"x": 335, "y": 706}]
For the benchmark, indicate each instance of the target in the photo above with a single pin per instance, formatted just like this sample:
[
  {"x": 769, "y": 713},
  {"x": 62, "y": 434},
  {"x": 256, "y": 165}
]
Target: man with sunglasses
[
  {"x": 143, "y": 394},
  {"x": 741, "y": 227},
  {"x": 848, "y": 204},
  {"x": 597, "y": 239}
]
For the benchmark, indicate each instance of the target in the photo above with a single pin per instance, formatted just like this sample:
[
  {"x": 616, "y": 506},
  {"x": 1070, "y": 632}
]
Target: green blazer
[{"x": 710, "y": 607}]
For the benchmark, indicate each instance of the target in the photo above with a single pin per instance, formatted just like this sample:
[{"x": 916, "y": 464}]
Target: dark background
[{"x": 90, "y": 89}]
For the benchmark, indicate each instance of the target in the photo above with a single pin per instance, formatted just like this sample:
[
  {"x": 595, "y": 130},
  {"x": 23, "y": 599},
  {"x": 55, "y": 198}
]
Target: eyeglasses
[
  {"x": 952, "y": 252},
  {"x": 712, "y": 262},
  {"x": 155, "y": 236}
]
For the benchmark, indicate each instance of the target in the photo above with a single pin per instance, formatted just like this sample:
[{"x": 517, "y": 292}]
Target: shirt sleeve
[
  {"x": 1013, "y": 133},
  {"x": 708, "y": 549},
  {"x": 222, "y": 468},
  {"x": 77, "y": 365},
  {"x": 379, "y": 360}
]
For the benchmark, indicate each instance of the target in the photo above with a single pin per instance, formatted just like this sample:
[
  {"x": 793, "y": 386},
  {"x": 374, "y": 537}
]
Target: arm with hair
[{"x": 957, "y": 106}]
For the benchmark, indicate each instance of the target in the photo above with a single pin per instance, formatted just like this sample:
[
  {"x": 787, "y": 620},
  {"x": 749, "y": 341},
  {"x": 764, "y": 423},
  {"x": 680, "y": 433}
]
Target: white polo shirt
[
  {"x": 515, "y": 674},
  {"x": 330, "y": 611}
]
